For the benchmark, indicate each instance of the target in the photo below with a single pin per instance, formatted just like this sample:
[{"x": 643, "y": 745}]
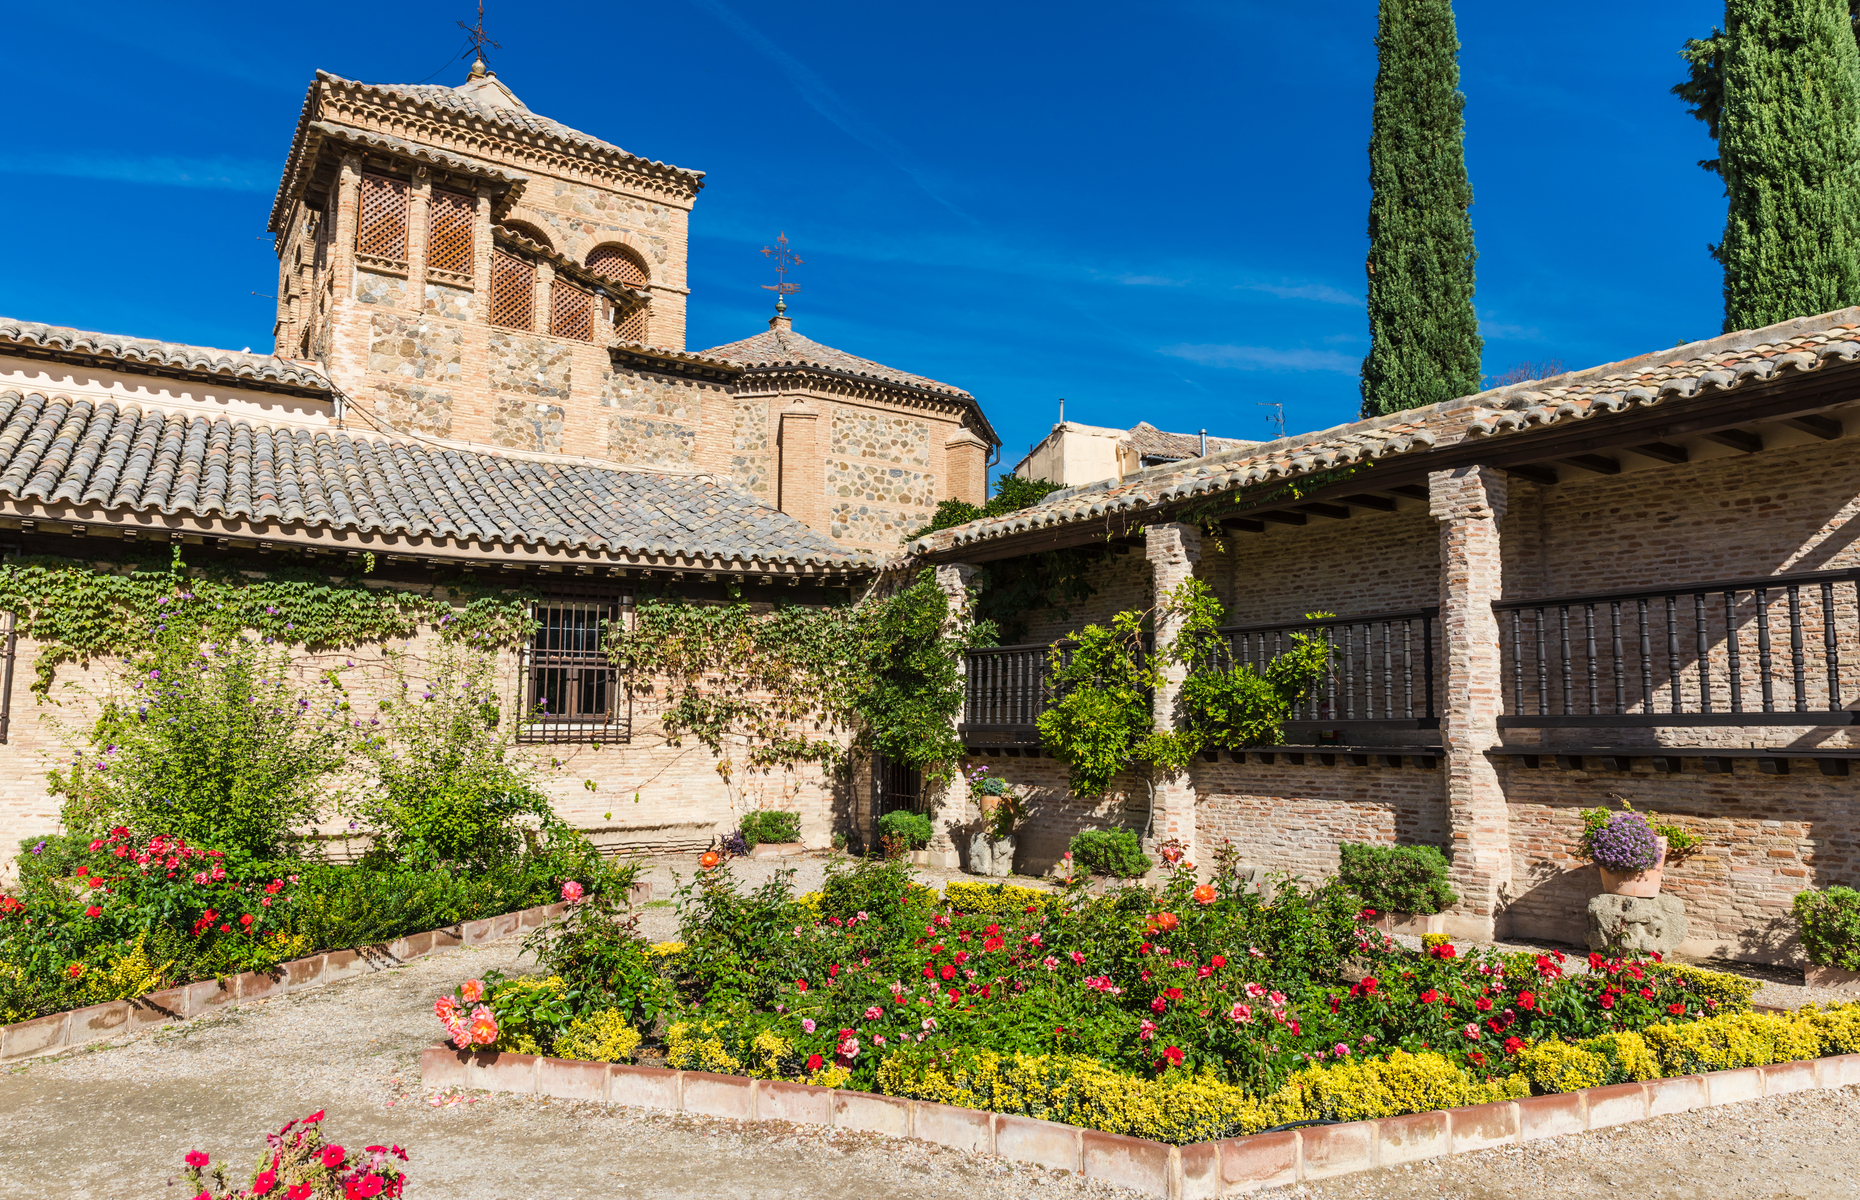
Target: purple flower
[{"x": 1625, "y": 845}]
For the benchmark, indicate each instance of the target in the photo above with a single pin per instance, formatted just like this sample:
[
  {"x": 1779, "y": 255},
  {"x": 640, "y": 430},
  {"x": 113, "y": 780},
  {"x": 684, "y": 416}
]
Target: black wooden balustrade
[
  {"x": 1772, "y": 650},
  {"x": 1382, "y": 667},
  {"x": 1006, "y": 690}
]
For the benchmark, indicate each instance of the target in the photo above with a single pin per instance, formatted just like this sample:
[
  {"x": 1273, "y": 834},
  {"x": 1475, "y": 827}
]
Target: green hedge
[
  {"x": 1397, "y": 879},
  {"x": 1830, "y": 922},
  {"x": 1115, "y": 852},
  {"x": 770, "y": 825}
]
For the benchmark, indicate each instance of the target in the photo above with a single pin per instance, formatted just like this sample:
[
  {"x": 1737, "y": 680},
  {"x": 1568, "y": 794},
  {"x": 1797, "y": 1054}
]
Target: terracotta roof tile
[
  {"x": 174, "y": 356},
  {"x": 786, "y": 348}
]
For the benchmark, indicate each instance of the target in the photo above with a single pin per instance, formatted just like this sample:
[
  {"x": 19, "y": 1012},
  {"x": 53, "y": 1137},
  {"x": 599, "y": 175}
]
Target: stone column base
[
  {"x": 1469, "y": 927},
  {"x": 943, "y": 859}
]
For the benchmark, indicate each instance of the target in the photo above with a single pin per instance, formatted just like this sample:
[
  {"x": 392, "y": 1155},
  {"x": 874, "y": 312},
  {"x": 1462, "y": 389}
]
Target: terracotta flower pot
[{"x": 1645, "y": 884}]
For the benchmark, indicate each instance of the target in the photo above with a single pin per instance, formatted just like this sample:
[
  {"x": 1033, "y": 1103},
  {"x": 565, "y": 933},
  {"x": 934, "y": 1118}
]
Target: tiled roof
[
  {"x": 786, "y": 348},
  {"x": 1698, "y": 369},
  {"x": 460, "y": 100},
  {"x": 1717, "y": 364},
  {"x": 176, "y": 357},
  {"x": 1147, "y": 441},
  {"x": 79, "y": 452}
]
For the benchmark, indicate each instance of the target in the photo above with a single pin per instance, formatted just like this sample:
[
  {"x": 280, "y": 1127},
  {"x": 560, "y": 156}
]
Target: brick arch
[
  {"x": 531, "y": 230},
  {"x": 619, "y": 256}
]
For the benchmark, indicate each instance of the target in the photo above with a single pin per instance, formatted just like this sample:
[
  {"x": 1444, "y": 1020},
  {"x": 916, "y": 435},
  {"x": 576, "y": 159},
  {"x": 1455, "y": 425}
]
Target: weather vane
[
  {"x": 478, "y": 40},
  {"x": 785, "y": 260}
]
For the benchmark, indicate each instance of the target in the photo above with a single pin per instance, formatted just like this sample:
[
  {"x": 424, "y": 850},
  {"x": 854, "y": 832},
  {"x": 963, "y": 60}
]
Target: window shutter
[
  {"x": 381, "y": 227},
  {"x": 513, "y": 291},
  {"x": 571, "y": 311},
  {"x": 451, "y": 218}
]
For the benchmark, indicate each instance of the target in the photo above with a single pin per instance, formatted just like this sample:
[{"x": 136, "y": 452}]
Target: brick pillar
[
  {"x": 803, "y": 469},
  {"x": 545, "y": 283},
  {"x": 1469, "y": 503},
  {"x": 949, "y": 802},
  {"x": 481, "y": 259},
  {"x": 965, "y": 467},
  {"x": 1173, "y": 551},
  {"x": 342, "y": 241},
  {"x": 419, "y": 206}
]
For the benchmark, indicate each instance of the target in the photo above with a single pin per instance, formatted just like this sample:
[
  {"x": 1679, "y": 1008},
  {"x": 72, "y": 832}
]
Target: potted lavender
[{"x": 1630, "y": 851}]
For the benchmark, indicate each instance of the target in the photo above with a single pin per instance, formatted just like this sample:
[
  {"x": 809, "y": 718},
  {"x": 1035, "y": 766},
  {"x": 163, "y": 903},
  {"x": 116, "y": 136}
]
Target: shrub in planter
[
  {"x": 1621, "y": 842},
  {"x": 1830, "y": 922},
  {"x": 770, "y": 825},
  {"x": 1397, "y": 879},
  {"x": 1114, "y": 852},
  {"x": 911, "y": 830}
]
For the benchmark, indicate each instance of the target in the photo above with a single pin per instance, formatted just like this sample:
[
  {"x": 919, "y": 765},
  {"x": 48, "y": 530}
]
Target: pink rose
[
  {"x": 472, "y": 990},
  {"x": 571, "y": 892}
]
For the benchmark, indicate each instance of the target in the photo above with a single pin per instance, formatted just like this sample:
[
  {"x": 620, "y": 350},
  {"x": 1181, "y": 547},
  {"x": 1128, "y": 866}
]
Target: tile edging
[{"x": 1203, "y": 1169}]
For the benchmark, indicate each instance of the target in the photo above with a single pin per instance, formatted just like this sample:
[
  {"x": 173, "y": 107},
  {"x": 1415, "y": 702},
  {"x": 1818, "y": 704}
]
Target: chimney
[{"x": 1204, "y": 443}]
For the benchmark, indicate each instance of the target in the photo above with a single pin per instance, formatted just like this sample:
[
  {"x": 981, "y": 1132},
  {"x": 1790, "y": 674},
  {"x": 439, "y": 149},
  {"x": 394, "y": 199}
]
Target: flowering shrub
[
  {"x": 1623, "y": 843},
  {"x": 298, "y": 1164}
]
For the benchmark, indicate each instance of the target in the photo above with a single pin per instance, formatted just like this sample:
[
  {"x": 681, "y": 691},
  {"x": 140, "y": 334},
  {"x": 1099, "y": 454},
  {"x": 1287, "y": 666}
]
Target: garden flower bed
[{"x": 1192, "y": 1013}]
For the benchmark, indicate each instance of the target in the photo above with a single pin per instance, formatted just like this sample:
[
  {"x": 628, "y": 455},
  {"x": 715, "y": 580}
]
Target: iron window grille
[{"x": 572, "y": 692}]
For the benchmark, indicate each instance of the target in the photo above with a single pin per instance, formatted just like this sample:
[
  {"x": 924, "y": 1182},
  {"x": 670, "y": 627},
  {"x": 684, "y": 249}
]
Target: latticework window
[
  {"x": 572, "y": 691},
  {"x": 632, "y": 326},
  {"x": 381, "y": 227},
  {"x": 571, "y": 311},
  {"x": 620, "y": 264},
  {"x": 513, "y": 291},
  {"x": 450, "y": 219}
]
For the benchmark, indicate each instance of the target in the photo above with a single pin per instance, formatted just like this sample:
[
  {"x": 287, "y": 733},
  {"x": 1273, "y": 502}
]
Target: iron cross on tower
[
  {"x": 785, "y": 261},
  {"x": 478, "y": 40}
]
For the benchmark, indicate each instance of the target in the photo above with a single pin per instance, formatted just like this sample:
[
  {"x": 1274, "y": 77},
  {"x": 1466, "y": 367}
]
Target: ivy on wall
[{"x": 78, "y": 611}]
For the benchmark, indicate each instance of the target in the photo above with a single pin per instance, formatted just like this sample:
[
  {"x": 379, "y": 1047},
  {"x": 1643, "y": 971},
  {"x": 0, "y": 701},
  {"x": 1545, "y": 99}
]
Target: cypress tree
[
  {"x": 1424, "y": 343},
  {"x": 1789, "y": 151}
]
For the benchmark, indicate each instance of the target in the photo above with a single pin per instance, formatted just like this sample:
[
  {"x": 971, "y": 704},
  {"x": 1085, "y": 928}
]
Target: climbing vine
[
  {"x": 78, "y": 611},
  {"x": 798, "y": 685},
  {"x": 1106, "y": 675}
]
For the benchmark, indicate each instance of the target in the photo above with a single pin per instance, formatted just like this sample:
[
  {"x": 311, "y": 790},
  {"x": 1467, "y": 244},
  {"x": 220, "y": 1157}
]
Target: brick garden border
[
  {"x": 76, "y": 1026},
  {"x": 1206, "y": 1169}
]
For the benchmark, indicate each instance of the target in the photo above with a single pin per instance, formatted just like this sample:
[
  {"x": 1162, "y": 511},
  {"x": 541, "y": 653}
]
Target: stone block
[
  {"x": 871, "y": 1113},
  {"x": 447, "y": 938},
  {"x": 643, "y": 1087},
  {"x": 414, "y": 945},
  {"x": 1047, "y": 1143},
  {"x": 1264, "y": 1160},
  {"x": 1199, "y": 1167},
  {"x": 502, "y": 926},
  {"x": 1549, "y": 1116},
  {"x": 718, "y": 1095},
  {"x": 1412, "y": 1138},
  {"x": 1483, "y": 1125},
  {"x": 443, "y": 1067},
  {"x": 344, "y": 964},
  {"x": 1840, "y": 1070},
  {"x": 210, "y": 995},
  {"x": 1682, "y": 1093},
  {"x": 1338, "y": 1149},
  {"x": 571, "y": 1080},
  {"x": 1136, "y": 1163},
  {"x": 42, "y": 1035},
  {"x": 991, "y": 857},
  {"x": 958, "y": 1128},
  {"x": 804, "y": 1104},
  {"x": 1831, "y": 978},
  {"x": 473, "y": 933},
  {"x": 302, "y": 974},
  {"x": 97, "y": 1021},
  {"x": 1642, "y": 924},
  {"x": 500, "y": 1071},
  {"x": 1732, "y": 1087},
  {"x": 260, "y": 985},
  {"x": 169, "y": 1004},
  {"x": 1621, "y": 1104},
  {"x": 1779, "y": 1079}
]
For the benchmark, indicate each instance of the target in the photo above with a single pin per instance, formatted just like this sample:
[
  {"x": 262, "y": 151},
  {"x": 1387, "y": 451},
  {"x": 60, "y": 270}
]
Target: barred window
[
  {"x": 513, "y": 291},
  {"x": 450, "y": 218},
  {"x": 572, "y": 693},
  {"x": 571, "y": 311},
  {"x": 622, "y": 264},
  {"x": 381, "y": 225}
]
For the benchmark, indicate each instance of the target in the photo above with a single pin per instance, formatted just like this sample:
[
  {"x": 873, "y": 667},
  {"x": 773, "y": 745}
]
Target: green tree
[
  {"x": 1779, "y": 88},
  {"x": 1424, "y": 343}
]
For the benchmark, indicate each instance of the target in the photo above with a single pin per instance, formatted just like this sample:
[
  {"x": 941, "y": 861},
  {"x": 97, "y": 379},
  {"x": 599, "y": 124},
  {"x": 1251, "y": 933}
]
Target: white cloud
[
  {"x": 1150, "y": 281},
  {"x": 216, "y": 174},
  {"x": 1323, "y": 293},
  {"x": 1265, "y": 358}
]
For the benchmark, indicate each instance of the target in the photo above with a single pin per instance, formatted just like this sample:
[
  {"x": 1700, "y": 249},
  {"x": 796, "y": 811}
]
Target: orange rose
[
  {"x": 711, "y": 858},
  {"x": 1204, "y": 894}
]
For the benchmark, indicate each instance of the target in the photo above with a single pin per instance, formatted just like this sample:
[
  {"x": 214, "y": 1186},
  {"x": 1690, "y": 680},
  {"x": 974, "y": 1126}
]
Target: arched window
[
  {"x": 527, "y": 230},
  {"x": 622, "y": 264}
]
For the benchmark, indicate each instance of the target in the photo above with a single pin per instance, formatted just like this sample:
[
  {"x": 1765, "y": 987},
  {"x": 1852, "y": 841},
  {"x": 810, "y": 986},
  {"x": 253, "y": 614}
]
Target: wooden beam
[
  {"x": 1242, "y": 525},
  {"x": 1335, "y": 512},
  {"x": 1663, "y": 451},
  {"x": 1536, "y": 474},
  {"x": 1378, "y": 503},
  {"x": 1413, "y": 491},
  {"x": 1825, "y": 428},
  {"x": 1599, "y": 463},
  {"x": 1286, "y": 518},
  {"x": 1736, "y": 439}
]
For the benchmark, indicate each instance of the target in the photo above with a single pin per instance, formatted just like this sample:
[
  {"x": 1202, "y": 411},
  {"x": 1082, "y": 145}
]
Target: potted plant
[
  {"x": 1404, "y": 886},
  {"x": 1631, "y": 851}
]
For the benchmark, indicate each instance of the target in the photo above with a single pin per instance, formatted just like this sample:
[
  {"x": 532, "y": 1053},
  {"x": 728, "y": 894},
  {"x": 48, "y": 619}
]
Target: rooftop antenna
[
  {"x": 479, "y": 42},
  {"x": 785, "y": 261},
  {"x": 1277, "y": 416}
]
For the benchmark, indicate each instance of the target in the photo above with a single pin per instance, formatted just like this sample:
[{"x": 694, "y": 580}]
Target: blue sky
[{"x": 1155, "y": 211}]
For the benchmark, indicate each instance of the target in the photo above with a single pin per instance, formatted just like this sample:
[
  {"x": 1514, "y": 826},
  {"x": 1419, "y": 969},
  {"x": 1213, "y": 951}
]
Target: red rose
[
  {"x": 1429, "y": 996},
  {"x": 246, "y": 920},
  {"x": 1174, "y": 993},
  {"x": 93, "y": 911},
  {"x": 948, "y": 973},
  {"x": 1158, "y": 1004},
  {"x": 1527, "y": 1000},
  {"x": 1174, "y": 1056},
  {"x": 1483, "y": 1004},
  {"x": 1608, "y": 999},
  {"x": 1676, "y": 1009},
  {"x": 1218, "y": 961},
  {"x": 1646, "y": 993},
  {"x": 813, "y": 1062},
  {"x": 800, "y": 985}
]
